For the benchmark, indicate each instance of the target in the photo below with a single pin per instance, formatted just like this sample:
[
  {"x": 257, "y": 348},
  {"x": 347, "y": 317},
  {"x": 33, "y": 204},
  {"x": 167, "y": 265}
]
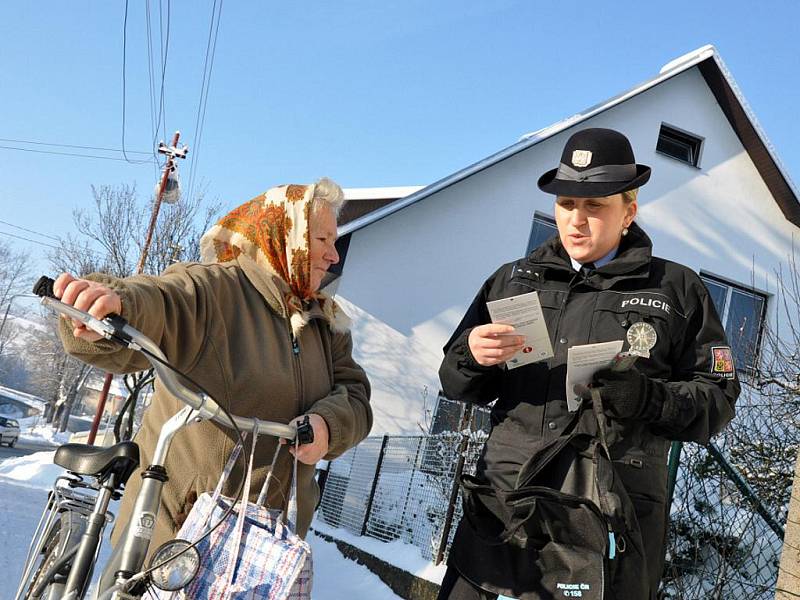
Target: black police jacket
[{"x": 692, "y": 397}]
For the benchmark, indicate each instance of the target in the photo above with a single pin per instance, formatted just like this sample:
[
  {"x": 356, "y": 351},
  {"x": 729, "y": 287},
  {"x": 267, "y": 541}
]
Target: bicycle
[{"x": 66, "y": 544}]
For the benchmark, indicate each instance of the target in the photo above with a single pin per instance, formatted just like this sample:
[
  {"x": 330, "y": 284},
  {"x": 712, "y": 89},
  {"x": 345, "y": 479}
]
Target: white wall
[{"x": 409, "y": 277}]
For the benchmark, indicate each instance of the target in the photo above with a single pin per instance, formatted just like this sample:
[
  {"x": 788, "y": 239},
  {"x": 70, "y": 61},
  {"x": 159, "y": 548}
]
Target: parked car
[{"x": 9, "y": 431}]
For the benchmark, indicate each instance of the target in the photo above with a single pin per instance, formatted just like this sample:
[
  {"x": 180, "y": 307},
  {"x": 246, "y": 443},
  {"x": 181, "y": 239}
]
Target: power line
[
  {"x": 19, "y": 237},
  {"x": 208, "y": 67},
  {"x": 152, "y": 85},
  {"x": 124, "y": 94},
  {"x": 69, "y": 154},
  {"x": 32, "y": 142},
  {"x": 164, "y": 53},
  {"x": 52, "y": 237},
  {"x": 60, "y": 248},
  {"x": 124, "y": 48}
]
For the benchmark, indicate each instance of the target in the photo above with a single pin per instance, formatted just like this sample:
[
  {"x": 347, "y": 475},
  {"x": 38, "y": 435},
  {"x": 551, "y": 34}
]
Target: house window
[
  {"x": 447, "y": 416},
  {"x": 542, "y": 229},
  {"x": 449, "y": 413},
  {"x": 680, "y": 145},
  {"x": 742, "y": 311},
  {"x": 481, "y": 418}
]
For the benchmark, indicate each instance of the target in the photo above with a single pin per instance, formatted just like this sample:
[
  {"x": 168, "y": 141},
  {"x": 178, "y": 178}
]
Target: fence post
[
  {"x": 746, "y": 490},
  {"x": 672, "y": 473},
  {"x": 374, "y": 484},
  {"x": 466, "y": 418},
  {"x": 411, "y": 480}
]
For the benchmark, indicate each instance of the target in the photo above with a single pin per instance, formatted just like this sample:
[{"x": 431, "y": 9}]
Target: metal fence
[
  {"x": 730, "y": 504},
  {"x": 724, "y": 539},
  {"x": 399, "y": 488}
]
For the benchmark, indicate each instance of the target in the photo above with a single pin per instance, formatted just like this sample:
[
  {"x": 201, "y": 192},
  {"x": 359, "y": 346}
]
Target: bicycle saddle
[{"x": 120, "y": 459}]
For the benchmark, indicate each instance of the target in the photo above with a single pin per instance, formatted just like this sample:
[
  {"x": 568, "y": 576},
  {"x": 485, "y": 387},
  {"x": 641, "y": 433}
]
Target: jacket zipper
[{"x": 297, "y": 369}]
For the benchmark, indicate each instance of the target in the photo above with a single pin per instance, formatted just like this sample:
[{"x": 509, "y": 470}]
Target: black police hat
[{"x": 595, "y": 162}]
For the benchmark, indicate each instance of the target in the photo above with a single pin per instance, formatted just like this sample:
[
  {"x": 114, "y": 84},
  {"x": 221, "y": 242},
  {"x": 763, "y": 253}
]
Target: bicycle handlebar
[{"x": 117, "y": 329}]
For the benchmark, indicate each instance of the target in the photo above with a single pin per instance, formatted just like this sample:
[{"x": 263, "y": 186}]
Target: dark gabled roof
[
  {"x": 363, "y": 201},
  {"x": 753, "y": 138},
  {"x": 355, "y": 209},
  {"x": 725, "y": 90}
]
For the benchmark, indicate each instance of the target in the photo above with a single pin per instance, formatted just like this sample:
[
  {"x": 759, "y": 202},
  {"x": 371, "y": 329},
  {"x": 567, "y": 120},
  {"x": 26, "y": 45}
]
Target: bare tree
[
  {"x": 55, "y": 375},
  {"x": 763, "y": 440},
  {"x": 108, "y": 238},
  {"x": 14, "y": 276},
  {"x": 725, "y": 533}
]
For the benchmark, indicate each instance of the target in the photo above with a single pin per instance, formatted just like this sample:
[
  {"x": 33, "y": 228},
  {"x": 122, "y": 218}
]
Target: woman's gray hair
[{"x": 327, "y": 192}]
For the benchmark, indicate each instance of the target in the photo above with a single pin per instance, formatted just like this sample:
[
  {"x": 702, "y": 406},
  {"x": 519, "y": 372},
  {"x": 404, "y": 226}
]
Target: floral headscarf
[{"x": 272, "y": 229}]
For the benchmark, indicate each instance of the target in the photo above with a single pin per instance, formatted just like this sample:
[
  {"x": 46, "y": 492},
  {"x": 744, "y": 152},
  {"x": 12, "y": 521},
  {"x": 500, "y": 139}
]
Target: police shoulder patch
[{"x": 722, "y": 362}]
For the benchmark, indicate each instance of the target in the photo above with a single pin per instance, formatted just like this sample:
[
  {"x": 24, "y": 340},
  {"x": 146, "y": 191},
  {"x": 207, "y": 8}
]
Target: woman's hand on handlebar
[
  {"x": 89, "y": 296},
  {"x": 312, "y": 453}
]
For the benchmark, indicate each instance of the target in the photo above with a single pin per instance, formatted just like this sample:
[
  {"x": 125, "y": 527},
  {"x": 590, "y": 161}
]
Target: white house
[{"x": 718, "y": 201}]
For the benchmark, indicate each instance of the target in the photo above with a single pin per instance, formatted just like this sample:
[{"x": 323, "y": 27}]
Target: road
[{"x": 22, "y": 449}]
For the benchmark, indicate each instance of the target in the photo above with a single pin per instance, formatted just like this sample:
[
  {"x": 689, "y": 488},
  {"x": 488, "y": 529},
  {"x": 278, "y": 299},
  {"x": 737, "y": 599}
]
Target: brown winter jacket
[{"x": 225, "y": 326}]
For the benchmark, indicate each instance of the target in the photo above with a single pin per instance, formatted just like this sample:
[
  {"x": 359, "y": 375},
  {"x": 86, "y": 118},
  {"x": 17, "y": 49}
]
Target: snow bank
[
  {"x": 401, "y": 555},
  {"x": 336, "y": 577},
  {"x": 45, "y": 435},
  {"x": 34, "y": 470},
  {"x": 22, "y": 496},
  {"x": 34, "y": 430}
]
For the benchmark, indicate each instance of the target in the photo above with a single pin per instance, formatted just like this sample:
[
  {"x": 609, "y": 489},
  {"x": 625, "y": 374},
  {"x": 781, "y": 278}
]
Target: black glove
[{"x": 627, "y": 394}]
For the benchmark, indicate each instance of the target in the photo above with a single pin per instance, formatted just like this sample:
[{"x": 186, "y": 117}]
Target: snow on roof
[
  {"x": 727, "y": 93},
  {"x": 24, "y": 397},
  {"x": 380, "y": 193}
]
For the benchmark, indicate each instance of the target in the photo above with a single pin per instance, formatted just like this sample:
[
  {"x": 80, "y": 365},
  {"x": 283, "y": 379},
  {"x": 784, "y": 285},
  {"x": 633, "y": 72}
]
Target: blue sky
[{"x": 368, "y": 93}]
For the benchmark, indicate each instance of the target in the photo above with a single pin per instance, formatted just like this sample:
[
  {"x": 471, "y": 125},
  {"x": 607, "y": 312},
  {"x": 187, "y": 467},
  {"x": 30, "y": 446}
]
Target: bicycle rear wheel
[{"x": 64, "y": 535}]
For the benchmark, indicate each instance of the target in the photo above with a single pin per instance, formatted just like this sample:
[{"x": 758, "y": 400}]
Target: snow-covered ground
[
  {"x": 35, "y": 430},
  {"x": 397, "y": 553},
  {"x": 24, "y": 482}
]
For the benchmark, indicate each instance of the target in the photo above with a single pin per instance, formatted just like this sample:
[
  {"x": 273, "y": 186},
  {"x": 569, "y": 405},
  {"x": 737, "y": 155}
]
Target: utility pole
[{"x": 172, "y": 152}]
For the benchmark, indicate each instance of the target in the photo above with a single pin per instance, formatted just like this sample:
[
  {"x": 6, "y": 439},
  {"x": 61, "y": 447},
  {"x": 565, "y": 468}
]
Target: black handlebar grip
[
  {"x": 44, "y": 287},
  {"x": 305, "y": 432}
]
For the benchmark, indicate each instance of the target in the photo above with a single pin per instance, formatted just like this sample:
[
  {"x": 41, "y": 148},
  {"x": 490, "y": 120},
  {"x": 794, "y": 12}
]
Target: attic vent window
[{"x": 680, "y": 145}]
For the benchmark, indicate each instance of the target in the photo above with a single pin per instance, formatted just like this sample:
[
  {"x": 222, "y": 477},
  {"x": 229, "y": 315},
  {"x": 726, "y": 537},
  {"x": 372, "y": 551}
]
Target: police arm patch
[{"x": 722, "y": 362}]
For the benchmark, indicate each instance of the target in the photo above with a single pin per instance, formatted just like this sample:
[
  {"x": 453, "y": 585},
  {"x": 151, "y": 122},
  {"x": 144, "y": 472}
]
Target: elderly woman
[
  {"x": 597, "y": 281},
  {"x": 252, "y": 327}
]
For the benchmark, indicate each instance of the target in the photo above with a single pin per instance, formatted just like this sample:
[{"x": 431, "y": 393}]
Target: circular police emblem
[{"x": 642, "y": 337}]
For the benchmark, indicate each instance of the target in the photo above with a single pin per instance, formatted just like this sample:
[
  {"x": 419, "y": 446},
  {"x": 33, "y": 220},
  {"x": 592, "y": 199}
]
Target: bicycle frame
[
  {"x": 63, "y": 498},
  {"x": 129, "y": 554},
  {"x": 132, "y": 549}
]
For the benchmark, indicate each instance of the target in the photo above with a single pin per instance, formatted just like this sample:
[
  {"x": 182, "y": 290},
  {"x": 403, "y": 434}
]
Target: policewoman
[{"x": 597, "y": 281}]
